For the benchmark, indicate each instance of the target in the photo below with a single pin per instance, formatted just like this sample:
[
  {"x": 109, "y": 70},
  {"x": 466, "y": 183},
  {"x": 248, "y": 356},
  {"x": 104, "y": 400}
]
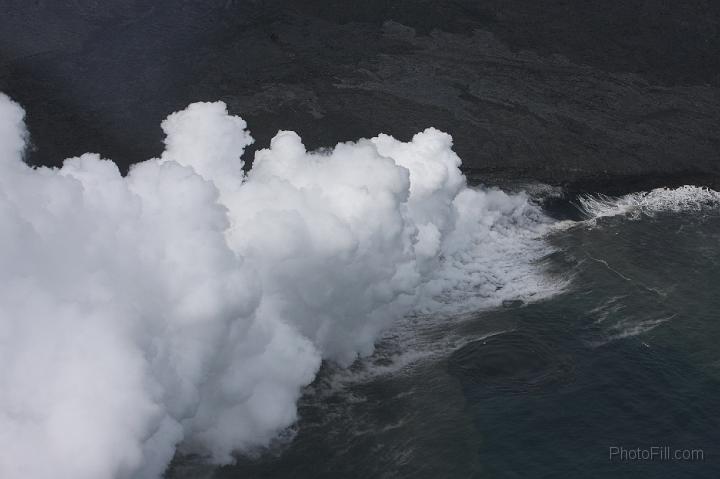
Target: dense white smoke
[{"x": 186, "y": 305}]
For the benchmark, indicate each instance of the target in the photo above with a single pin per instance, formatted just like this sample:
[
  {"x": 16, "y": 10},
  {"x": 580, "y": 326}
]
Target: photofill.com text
[{"x": 654, "y": 453}]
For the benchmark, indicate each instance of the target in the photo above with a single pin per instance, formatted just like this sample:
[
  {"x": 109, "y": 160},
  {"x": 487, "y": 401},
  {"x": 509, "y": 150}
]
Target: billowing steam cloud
[{"x": 187, "y": 304}]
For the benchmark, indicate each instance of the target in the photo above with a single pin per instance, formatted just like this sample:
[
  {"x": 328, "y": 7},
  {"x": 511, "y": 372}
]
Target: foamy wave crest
[
  {"x": 188, "y": 303},
  {"x": 684, "y": 198}
]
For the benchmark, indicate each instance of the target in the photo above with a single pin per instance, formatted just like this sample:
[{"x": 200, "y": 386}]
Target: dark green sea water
[{"x": 626, "y": 356}]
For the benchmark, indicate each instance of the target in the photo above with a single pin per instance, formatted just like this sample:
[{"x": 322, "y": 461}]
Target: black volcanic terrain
[{"x": 583, "y": 93}]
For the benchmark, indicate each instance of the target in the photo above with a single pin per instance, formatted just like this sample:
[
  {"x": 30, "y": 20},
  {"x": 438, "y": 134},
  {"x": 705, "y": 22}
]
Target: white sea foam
[
  {"x": 630, "y": 327},
  {"x": 684, "y": 198},
  {"x": 189, "y": 303}
]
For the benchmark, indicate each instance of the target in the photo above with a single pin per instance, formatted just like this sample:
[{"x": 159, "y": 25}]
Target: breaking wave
[
  {"x": 684, "y": 198},
  {"x": 188, "y": 303}
]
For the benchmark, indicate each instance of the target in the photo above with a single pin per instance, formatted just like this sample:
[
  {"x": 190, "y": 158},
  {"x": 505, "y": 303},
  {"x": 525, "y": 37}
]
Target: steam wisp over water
[{"x": 187, "y": 304}]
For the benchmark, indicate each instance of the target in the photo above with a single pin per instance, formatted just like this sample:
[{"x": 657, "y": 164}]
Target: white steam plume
[{"x": 186, "y": 305}]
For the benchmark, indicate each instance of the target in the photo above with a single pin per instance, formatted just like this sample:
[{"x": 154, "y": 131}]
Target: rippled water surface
[{"x": 626, "y": 356}]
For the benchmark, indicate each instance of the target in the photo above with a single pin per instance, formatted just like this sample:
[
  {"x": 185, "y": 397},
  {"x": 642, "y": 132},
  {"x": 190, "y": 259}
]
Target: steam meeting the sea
[
  {"x": 188, "y": 304},
  {"x": 388, "y": 303}
]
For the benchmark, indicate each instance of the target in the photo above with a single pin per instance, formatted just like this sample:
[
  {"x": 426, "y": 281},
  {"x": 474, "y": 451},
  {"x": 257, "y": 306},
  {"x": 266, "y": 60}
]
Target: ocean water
[
  {"x": 190, "y": 313},
  {"x": 625, "y": 355}
]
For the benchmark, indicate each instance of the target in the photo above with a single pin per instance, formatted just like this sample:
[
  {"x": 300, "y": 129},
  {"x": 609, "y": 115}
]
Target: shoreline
[{"x": 606, "y": 184}]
